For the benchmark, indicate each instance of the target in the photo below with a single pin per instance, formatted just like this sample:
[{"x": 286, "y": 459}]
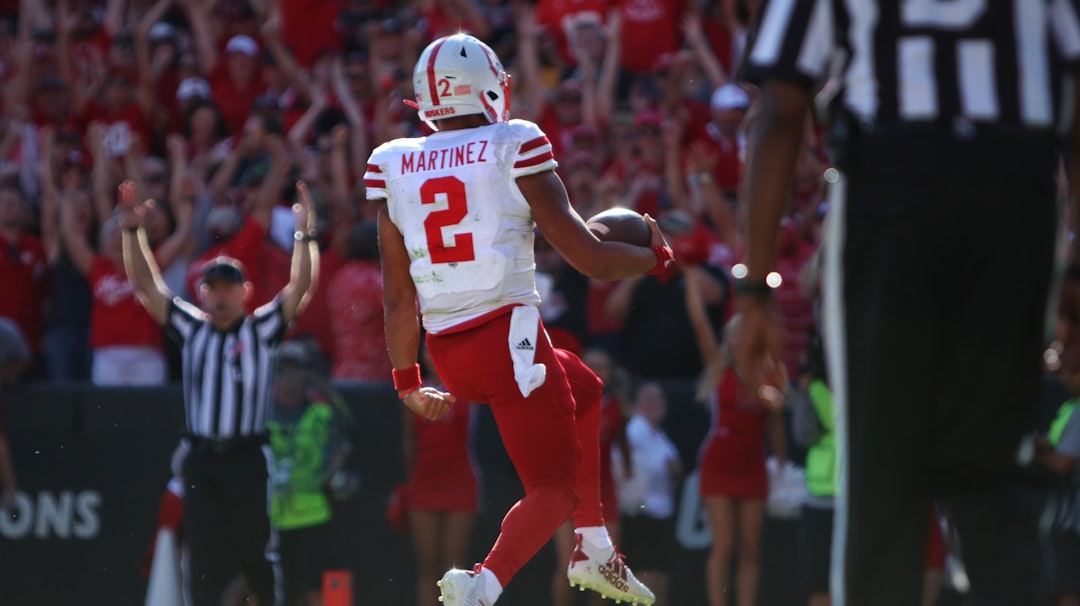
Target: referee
[
  {"x": 946, "y": 128},
  {"x": 227, "y": 360}
]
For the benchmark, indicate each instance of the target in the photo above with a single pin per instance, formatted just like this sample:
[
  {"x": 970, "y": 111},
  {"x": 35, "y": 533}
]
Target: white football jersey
[{"x": 468, "y": 229}]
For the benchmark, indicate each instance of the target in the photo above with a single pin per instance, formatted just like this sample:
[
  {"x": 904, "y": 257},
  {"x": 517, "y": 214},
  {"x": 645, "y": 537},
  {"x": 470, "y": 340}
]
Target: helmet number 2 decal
[
  {"x": 444, "y": 87},
  {"x": 457, "y": 207}
]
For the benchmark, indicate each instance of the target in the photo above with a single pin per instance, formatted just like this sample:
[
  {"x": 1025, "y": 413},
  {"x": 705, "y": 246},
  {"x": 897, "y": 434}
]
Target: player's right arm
[
  {"x": 566, "y": 231},
  {"x": 399, "y": 296},
  {"x": 139, "y": 263},
  {"x": 401, "y": 321}
]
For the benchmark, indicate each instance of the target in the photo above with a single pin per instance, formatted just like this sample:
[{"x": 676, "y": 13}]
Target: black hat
[
  {"x": 295, "y": 355},
  {"x": 223, "y": 268},
  {"x": 50, "y": 82}
]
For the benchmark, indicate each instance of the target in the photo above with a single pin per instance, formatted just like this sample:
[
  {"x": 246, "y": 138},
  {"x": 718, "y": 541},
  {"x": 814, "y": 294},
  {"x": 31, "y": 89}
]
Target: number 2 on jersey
[{"x": 457, "y": 207}]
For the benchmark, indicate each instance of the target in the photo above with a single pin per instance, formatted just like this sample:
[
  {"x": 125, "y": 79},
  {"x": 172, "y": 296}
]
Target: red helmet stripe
[
  {"x": 432, "y": 89},
  {"x": 487, "y": 107}
]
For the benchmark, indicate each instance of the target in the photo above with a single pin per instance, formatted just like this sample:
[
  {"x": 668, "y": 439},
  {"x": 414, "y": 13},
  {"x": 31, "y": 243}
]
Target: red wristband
[
  {"x": 406, "y": 380},
  {"x": 664, "y": 259}
]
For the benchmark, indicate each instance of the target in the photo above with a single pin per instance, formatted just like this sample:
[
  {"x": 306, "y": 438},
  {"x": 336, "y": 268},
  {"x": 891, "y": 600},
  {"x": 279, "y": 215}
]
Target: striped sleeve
[
  {"x": 269, "y": 322},
  {"x": 1065, "y": 30},
  {"x": 375, "y": 176},
  {"x": 794, "y": 42},
  {"x": 534, "y": 154},
  {"x": 184, "y": 319}
]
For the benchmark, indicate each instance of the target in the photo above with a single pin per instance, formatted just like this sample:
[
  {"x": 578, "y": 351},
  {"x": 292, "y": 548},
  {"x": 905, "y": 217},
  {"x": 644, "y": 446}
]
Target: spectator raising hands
[{"x": 126, "y": 341}]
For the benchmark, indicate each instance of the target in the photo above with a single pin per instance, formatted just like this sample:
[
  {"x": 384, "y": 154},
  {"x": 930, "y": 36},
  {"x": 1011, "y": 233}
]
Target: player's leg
[
  {"x": 882, "y": 327},
  {"x": 540, "y": 439},
  {"x": 209, "y": 564},
  {"x": 997, "y": 333},
  {"x": 595, "y": 563},
  {"x": 588, "y": 394}
]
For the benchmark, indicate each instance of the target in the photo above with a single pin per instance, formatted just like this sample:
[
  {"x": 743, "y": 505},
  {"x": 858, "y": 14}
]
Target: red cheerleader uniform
[
  {"x": 443, "y": 478},
  {"x": 732, "y": 462}
]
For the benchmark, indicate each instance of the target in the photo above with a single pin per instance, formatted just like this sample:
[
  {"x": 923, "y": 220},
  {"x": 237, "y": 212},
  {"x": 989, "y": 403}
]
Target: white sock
[
  {"x": 595, "y": 537},
  {"x": 492, "y": 587}
]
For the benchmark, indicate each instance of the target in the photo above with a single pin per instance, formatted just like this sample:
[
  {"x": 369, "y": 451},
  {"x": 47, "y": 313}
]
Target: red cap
[
  {"x": 584, "y": 131},
  {"x": 648, "y": 118}
]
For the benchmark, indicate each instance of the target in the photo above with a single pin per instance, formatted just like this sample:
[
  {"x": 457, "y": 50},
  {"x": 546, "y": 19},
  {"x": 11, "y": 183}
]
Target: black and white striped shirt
[
  {"x": 909, "y": 61},
  {"x": 227, "y": 374}
]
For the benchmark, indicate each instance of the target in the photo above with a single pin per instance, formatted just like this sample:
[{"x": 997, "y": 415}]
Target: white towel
[{"x": 524, "y": 325}]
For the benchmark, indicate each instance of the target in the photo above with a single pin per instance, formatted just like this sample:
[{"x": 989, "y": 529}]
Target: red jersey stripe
[
  {"x": 373, "y": 168},
  {"x": 544, "y": 157},
  {"x": 379, "y": 183},
  {"x": 535, "y": 143}
]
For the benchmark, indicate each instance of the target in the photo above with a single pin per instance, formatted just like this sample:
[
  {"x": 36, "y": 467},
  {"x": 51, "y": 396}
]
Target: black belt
[
  {"x": 229, "y": 445},
  {"x": 941, "y": 147}
]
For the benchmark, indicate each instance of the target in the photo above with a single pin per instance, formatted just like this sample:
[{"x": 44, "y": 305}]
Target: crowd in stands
[{"x": 215, "y": 108}]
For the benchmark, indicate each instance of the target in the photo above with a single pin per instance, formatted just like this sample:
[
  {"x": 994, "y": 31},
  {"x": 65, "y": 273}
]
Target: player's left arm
[
  {"x": 566, "y": 230},
  {"x": 305, "y": 258}
]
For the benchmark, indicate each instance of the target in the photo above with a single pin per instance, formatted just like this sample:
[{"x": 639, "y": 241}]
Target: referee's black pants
[
  {"x": 938, "y": 267},
  {"x": 227, "y": 522}
]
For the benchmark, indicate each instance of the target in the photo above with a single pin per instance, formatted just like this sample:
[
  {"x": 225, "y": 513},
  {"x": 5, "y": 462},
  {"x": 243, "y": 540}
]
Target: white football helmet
[{"x": 459, "y": 75}]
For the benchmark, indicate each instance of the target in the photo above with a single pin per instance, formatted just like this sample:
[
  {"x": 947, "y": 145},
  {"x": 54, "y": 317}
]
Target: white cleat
[
  {"x": 463, "y": 588},
  {"x": 605, "y": 573}
]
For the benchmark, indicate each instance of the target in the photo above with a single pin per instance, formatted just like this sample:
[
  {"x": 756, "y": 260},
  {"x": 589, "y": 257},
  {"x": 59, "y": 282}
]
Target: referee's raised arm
[
  {"x": 305, "y": 257},
  {"x": 139, "y": 261}
]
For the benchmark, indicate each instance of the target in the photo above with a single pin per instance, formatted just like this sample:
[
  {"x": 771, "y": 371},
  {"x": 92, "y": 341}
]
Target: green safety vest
[
  {"x": 300, "y": 452},
  {"x": 821, "y": 457},
  {"x": 1058, "y": 426}
]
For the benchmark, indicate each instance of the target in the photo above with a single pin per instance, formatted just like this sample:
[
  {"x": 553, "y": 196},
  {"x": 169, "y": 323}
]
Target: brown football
[{"x": 620, "y": 225}]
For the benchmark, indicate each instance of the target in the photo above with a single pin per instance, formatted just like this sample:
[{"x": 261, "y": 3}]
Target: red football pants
[{"x": 552, "y": 437}]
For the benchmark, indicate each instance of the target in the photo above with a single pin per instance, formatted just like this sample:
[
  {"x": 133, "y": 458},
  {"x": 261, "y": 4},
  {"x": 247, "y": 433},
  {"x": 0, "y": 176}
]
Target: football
[{"x": 620, "y": 225}]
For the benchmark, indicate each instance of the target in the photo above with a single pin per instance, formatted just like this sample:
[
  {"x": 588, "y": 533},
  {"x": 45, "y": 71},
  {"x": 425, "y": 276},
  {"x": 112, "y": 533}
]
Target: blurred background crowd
[{"x": 215, "y": 108}]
